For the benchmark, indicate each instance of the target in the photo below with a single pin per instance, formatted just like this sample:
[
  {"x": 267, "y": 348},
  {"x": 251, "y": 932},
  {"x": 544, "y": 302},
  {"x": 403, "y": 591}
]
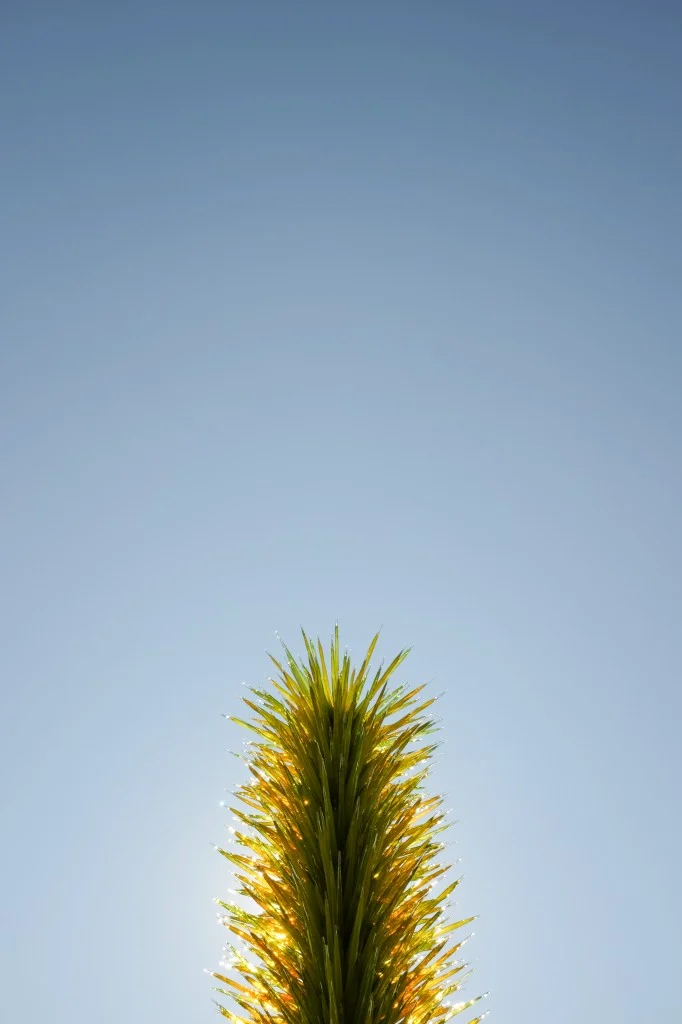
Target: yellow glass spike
[{"x": 337, "y": 857}]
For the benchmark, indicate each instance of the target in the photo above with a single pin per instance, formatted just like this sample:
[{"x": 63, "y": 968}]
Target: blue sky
[{"x": 358, "y": 311}]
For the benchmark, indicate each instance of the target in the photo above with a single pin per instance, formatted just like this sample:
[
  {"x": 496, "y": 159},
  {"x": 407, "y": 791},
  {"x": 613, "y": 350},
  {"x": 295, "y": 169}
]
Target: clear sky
[{"x": 364, "y": 311}]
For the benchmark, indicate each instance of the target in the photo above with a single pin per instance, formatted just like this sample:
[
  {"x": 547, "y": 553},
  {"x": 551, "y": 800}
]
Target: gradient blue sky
[{"x": 358, "y": 310}]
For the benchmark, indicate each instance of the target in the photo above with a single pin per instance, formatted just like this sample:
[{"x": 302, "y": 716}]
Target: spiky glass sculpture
[{"x": 338, "y": 855}]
